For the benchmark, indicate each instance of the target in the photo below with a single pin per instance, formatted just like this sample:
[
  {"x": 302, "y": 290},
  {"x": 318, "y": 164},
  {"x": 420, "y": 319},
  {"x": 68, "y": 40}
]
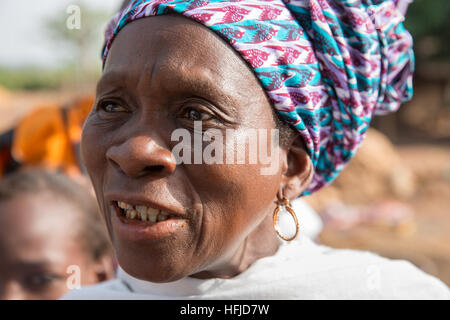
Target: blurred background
[{"x": 394, "y": 197}]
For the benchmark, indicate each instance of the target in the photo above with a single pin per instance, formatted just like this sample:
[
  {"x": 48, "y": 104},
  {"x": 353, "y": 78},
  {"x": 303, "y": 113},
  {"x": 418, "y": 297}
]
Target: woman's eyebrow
[
  {"x": 204, "y": 87},
  {"x": 113, "y": 77},
  {"x": 32, "y": 264}
]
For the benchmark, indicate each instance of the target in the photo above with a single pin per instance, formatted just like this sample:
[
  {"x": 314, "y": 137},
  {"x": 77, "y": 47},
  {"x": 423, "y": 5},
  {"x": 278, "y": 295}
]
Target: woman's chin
[
  {"x": 154, "y": 261},
  {"x": 152, "y": 272}
]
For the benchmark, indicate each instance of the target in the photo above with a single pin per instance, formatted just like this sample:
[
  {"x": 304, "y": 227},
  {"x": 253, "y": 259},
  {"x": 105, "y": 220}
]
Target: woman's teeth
[{"x": 143, "y": 213}]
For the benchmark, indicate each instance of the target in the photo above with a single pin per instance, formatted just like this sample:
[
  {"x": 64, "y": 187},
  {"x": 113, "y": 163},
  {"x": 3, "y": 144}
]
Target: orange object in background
[
  {"x": 49, "y": 137},
  {"x": 77, "y": 114}
]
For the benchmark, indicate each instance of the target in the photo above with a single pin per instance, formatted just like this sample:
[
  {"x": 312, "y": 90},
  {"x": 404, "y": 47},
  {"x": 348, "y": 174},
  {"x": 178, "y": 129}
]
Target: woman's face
[
  {"x": 162, "y": 74},
  {"x": 41, "y": 255}
]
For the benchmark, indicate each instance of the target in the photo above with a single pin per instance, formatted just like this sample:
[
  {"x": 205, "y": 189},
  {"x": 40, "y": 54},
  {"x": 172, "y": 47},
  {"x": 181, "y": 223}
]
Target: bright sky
[{"x": 23, "y": 40}]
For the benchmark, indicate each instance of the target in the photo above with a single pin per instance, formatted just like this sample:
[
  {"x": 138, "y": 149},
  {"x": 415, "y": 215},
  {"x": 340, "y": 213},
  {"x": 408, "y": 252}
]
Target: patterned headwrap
[{"x": 326, "y": 65}]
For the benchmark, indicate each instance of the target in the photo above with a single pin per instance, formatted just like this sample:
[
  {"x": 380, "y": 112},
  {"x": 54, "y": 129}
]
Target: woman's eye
[
  {"x": 196, "y": 115},
  {"x": 37, "y": 281},
  {"x": 112, "y": 107}
]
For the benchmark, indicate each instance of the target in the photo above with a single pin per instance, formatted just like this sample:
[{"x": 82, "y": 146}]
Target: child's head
[{"x": 47, "y": 224}]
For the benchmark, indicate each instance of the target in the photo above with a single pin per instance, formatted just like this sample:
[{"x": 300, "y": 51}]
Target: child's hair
[{"x": 92, "y": 232}]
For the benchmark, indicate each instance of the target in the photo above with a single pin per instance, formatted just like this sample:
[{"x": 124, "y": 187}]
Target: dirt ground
[{"x": 14, "y": 105}]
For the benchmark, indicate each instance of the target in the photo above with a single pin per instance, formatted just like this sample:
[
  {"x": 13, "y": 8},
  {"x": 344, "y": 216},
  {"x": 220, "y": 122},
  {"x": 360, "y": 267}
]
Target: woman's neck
[{"x": 262, "y": 242}]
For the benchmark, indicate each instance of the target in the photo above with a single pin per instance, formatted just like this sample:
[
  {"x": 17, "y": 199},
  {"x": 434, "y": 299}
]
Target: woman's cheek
[{"x": 92, "y": 148}]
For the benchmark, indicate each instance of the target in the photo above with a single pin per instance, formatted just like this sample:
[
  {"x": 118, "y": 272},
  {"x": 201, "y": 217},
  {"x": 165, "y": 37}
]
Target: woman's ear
[{"x": 299, "y": 170}]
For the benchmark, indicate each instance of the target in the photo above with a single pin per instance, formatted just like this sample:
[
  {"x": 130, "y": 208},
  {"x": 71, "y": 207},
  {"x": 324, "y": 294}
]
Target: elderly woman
[{"x": 186, "y": 226}]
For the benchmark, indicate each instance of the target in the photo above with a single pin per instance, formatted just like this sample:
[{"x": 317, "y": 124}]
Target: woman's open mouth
[
  {"x": 144, "y": 213},
  {"x": 140, "y": 222}
]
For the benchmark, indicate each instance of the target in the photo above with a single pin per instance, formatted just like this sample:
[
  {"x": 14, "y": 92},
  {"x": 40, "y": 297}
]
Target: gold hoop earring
[{"x": 287, "y": 205}]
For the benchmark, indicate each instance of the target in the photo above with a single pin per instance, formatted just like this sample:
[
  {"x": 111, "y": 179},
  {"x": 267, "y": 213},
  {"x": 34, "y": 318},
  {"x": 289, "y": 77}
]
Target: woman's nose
[{"x": 140, "y": 156}]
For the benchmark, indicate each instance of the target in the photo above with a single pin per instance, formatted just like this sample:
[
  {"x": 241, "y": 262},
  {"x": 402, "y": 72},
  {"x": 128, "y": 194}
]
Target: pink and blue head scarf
[{"x": 326, "y": 65}]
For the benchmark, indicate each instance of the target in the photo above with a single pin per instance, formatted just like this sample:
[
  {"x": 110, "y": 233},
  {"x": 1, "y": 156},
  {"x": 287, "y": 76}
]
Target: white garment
[{"x": 300, "y": 269}]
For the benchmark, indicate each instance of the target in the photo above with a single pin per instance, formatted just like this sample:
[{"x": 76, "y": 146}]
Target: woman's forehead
[
  {"x": 171, "y": 47},
  {"x": 173, "y": 38}
]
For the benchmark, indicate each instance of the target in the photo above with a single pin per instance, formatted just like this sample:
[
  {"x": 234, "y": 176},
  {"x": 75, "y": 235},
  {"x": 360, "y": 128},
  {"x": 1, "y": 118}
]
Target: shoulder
[
  {"x": 109, "y": 290},
  {"x": 354, "y": 274}
]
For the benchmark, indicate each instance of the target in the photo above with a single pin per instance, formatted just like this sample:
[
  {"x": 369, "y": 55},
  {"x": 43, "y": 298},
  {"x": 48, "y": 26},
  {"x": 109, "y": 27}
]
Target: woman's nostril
[{"x": 157, "y": 168}]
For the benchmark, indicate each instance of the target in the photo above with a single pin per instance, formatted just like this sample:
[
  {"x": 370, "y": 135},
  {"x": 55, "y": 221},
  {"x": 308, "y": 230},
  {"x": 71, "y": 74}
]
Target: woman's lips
[{"x": 138, "y": 230}]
